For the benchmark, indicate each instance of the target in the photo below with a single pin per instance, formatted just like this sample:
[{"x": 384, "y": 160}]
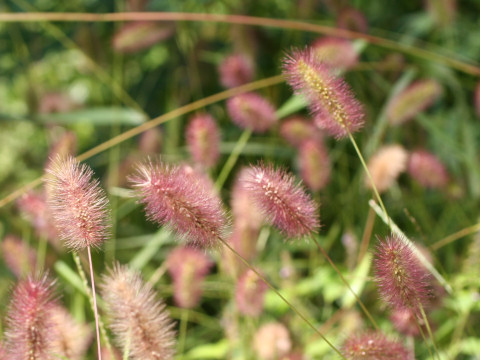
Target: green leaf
[
  {"x": 209, "y": 351},
  {"x": 292, "y": 105},
  {"x": 101, "y": 116}
]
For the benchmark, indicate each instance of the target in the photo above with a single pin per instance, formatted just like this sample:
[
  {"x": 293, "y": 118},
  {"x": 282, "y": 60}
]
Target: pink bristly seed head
[
  {"x": 183, "y": 199},
  {"x": 138, "y": 320},
  {"x": 416, "y": 98},
  {"x": 250, "y": 294},
  {"x": 29, "y": 322},
  {"x": 203, "y": 140},
  {"x": 374, "y": 346},
  {"x": 252, "y": 111},
  {"x": 19, "y": 257},
  {"x": 335, "y": 52},
  {"x": 403, "y": 282},
  {"x": 236, "y": 70},
  {"x": 188, "y": 268},
  {"x": 297, "y": 129},
  {"x": 427, "y": 169},
  {"x": 285, "y": 204},
  {"x": 78, "y": 204},
  {"x": 330, "y": 99},
  {"x": 314, "y": 164}
]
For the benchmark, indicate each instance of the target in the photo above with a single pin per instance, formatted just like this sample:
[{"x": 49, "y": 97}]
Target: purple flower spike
[
  {"x": 29, "y": 321},
  {"x": 374, "y": 345},
  {"x": 183, "y": 199},
  {"x": 78, "y": 204},
  {"x": 285, "y": 204},
  {"x": 139, "y": 320},
  {"x": 331, "y": 101},
  {"x": 252, "y": 111},
  {"x": 402, "y": 281},
  {"x": 203, "y": 140}
]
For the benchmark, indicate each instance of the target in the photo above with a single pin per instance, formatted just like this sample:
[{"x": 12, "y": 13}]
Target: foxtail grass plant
[{"x": 80, "y": 210}]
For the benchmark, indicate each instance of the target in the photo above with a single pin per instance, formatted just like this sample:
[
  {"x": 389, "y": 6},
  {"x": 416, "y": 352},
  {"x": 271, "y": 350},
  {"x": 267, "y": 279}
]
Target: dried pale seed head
[
  {"x": 285, "y": 204},
  {"x": 337, "y": 53},
  {"x": 272, "y": 341},
  {"x": 416, "y": 98},
  {"x": 183, "y": 199},
  {"x": 203, "y": 140},
  {"x": 250, "y": 294},
  {"x": 406, "y": 322},
  {"x": 150, "y": 141},
  {"x": 19, "y": 257},
  {"x": 298, "y": 129},
  {"x": 252, "y": 111},
  {"x": 403, "y": 282},
  {"x": 78, "y": 204},
  {"x": 139, "y": 320},
  {"x": 73, "y": 339},
  {"x": 188, "y": 268},
  {"x": 139, "y": 35},
  {"x": 236, "y": 70},
  {"x": 427, "y": 169},
  {"x": 30, "y": 330},
  {"x": 385, "y": 166},
  {"x": 314, "y": 164},
  {"x": 330, "y": 99},
  {"x": 374, "y": 346}
]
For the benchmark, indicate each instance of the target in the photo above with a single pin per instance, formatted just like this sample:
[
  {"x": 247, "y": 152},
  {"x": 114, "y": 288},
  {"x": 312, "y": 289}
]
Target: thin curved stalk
[
  {"x": 243, "y": 20},
  {"x": 92, "y": 279},
  {"x": 374, "y": 187},
  {"x": 455, "y": 236},
  {"x": 365, "y": 310},
  {"x": 76, "y": 258},
  {"x": 290, "y": 305},
  {"x": 209, "y": 100}
]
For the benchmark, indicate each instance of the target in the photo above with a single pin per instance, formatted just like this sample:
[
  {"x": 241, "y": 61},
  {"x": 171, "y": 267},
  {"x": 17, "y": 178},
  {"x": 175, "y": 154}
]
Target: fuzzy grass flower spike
[
  {"x": 182, "y": 198},
  {"x": 78, "y": 204},
  {"x": 139, "y": 320},
  {"x": 285, "y": 204},
  {"x": 402, "y": 280},
  {"x": 330, "y": 99},
  {"x": 29, "y": 321},
  {"x": 374, "y": 345}
]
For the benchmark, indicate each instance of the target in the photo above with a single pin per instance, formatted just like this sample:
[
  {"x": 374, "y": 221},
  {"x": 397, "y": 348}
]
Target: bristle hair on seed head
[
  {"x": 183, "y": 199},
  {"x": 139, "y": 320},
  {"x": 30, "y": 329},
  {"x": 330, "y": 99},
  {"x": 374, "y": 345},
  {"x": 283, "y": 201},
  {"x": 252, "y": 111},
  {"x": 188, "y": 267},
  {"x": 403, "y": 282},
  {"x": 427, "y": 169},
  {"x": 203, "y": 140},
  {"x": 78, "y": 204},
  {"x": 73, "y": 338},
  {"x": 250, "y": 293},
  {"x": 236, "y": 70}
]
